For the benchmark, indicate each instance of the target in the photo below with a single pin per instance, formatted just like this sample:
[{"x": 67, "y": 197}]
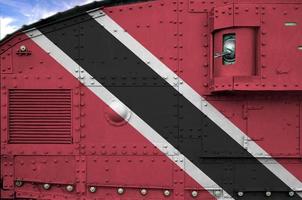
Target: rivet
[
  {"x": 23, "y": 48},
  {"x": 165, "y": 77},
  {"x": 120, "y": 190},
  {"x": 291, "y": 193},
  {"x": 143, "y": 192},
  {"x": 240, "y": 194},
  {"x": 167, "y": 193},
  {"x": 69, "y": 188},
  {"x": 194, "y": 193},
  {"x": 18, "y": 183},
  {"x": 46, "y": 186},
  {"x": 92, "y": 189},
  {"x": 268, "y": 193},
  {"x": 217, "y": 193}
]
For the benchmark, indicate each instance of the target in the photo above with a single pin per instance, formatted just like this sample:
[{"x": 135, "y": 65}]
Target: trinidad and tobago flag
[{"x": 142, "y": 117}]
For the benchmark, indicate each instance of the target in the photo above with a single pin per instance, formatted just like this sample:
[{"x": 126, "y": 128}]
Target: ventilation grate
[{"x": 39, "y": 116}]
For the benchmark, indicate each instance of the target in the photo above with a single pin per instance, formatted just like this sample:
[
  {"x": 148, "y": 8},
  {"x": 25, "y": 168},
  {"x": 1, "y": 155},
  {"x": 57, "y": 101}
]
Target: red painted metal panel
[
  {"x": 280, "y": 58},
  {"x": 247, "y": 14},
  {"x": 196, "y": 6},
  {"x": 135, "y": 171},
  {"x": 223, "y": 17},
  {"x": 28, "y": 71},
  {"x": 179, "y": 34},
  {"x": 6, "y": 62},
  {"x": 285, "y": 125},
  {"x": 44, "y": 169},
  {"x": 194, "y": 52}
]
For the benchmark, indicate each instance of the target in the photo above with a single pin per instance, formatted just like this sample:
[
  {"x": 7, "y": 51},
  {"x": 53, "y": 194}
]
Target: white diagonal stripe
[
  {"x": 135, "y": 121},
  {"x": 197, "y": 100}
]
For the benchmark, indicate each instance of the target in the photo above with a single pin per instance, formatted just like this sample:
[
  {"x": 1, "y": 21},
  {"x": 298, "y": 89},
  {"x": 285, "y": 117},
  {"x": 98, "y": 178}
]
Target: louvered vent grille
[{"x": 40, "y": 116}]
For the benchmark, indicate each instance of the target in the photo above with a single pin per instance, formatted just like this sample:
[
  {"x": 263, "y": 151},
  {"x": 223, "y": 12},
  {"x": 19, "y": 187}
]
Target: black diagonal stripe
[{"x": 169, "y": 113}]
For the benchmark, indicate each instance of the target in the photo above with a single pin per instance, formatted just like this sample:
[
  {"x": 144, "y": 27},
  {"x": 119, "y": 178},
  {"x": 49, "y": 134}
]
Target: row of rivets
[
  {"x": 121, "y": 191},
  {"x": 46, "y": 186},
  {"x": 268, "y": 194},
  {"x": 143, "y": 192}
]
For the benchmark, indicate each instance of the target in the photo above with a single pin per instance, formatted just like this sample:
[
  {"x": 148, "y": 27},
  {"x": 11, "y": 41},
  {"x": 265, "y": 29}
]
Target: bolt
[
  {"x": 291, "y": 193},
  {"x": 268, "y": 193},
  {"x": 22, "y": 48},
  {"x": 92, "y": 189},
  {"x": 120, "y": 190},
  {"x": 240, "y": 194},
  {"x": 194, "y": 193},
  {"x": 217, "y": 193},
  {"x": 69, "y": 188},
  {"x": 144, "y": 192},
  {"x": 18, "y": 183},
  {"x": 167, "y": 193},
  {"x": 46, "y": 186}
]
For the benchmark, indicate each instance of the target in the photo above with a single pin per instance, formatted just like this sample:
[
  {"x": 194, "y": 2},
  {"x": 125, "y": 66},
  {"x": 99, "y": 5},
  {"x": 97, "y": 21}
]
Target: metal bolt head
[
  {"x": 23, "y": 48},
  {"x": 18, "y": 183},
  {"x": 144, "y": 192},
  {"x": 167, "y": 193},
  {"x": 69, "y": 188},
  {"x": 46, "y": 186},
  {"x": 291, "y": 193},
  {"x": 217, "y": 193},
  {"x": 240, "y": 194},
  {"x": 92, "y": 189},
  {"x": 268, "y": 193},
  {"x": 194, "y": 193},
  {"x": 120, "y": 190}
]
